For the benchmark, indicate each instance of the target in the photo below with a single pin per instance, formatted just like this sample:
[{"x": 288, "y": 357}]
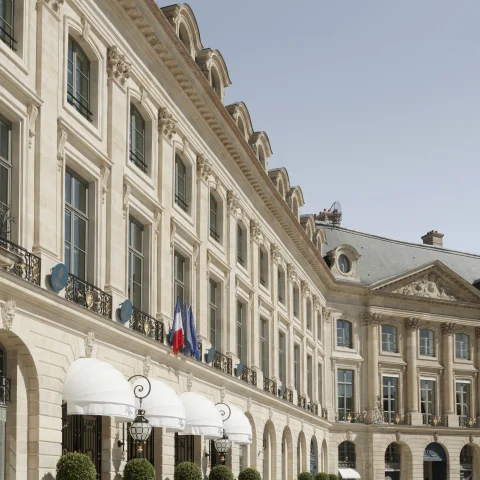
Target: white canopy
[
  {"x": 202, "y": 417},
  {"x": 236, "y": 426},
  {"x": 93, "y": 387},
  {"x": 348, "y": 473},
  {"x": 163, "y": 407}
]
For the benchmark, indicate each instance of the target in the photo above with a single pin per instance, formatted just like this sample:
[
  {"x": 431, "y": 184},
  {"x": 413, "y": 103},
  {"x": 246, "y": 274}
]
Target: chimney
[{"x": 433, "y": 238}]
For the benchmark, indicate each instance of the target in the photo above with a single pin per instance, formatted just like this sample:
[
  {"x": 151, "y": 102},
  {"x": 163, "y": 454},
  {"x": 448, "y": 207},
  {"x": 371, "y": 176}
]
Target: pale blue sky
[{"x": 373, "y": 103}]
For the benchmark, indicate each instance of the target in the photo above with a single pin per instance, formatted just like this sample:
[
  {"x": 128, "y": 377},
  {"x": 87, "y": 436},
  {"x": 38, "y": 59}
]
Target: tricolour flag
[{"x": 177, "y": 329}]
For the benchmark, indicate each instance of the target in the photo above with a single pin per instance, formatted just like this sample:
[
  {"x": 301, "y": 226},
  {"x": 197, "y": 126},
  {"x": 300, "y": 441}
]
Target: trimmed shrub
[
  {"x": 250, "y": 474},
  {"x": 332, "y": 476},
  {"x": 76, "y": 465},
  {"x": 187, "y": 471},
  {"x": 139, "y": 469},
  {"x": 305, "y": 476},
  {"x": 322, "y": 476},
  {"x": 220, "y": 472}
]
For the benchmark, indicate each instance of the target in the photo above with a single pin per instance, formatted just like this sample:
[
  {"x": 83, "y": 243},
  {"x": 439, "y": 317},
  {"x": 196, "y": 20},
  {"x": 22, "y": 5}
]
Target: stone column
[
  {"x": 477, "y": 337},
  {"x": 372, "y": 321},
  {"x": 448, "y": 391},
  {"x": 291, "y": 279},
  {"x": 411, "y": 326},
  {"x": 256, "y": 237}
]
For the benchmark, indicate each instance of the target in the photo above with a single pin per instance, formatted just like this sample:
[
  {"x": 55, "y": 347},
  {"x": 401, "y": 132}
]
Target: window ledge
[
  {"x": 13, "y": 57},
  {"x": 142, "y": 177},
  {"x": 182, "y": 213},
  {"x": 79, "y": 118},
  {"x": 387, "y": 353}
]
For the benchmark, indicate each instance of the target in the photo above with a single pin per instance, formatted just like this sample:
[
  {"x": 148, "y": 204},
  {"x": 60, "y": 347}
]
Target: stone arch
[
  {"x": 251, "y": 460},
  {"x": 287, "y": 455},
  {"x": 301, "y": 453},
  {"x": 313, "y": 459},
  {"x": 269, "y": 452},
  {"x": 279, "y": 177},
  {"x": 324, "y": 457},
  {"x": 404, "y": 461}
]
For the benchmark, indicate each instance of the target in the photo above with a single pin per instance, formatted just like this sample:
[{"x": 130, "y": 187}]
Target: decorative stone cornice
[
  {"x": 276, "y": 254},
  {"x": 305, "y": 289},
  {"x": 117, "y": 67},
  {"x": 233, "y": 203},
  {"x": 316, "y": 302},
  {"x": 167, "y": 125},
  {"x": 89, "y": 344},
  {"x": 477, "y": 332},
  {"x": 370, "y": 318},
  {"x": 255, "y": 230},
  {"x": 411, "y": 323},
  {"x": 448, "y": 328},
  {"x": 291, "y": 272},
  {"x": 204, "y": 169},
  {"x": 8, "y": 314}
]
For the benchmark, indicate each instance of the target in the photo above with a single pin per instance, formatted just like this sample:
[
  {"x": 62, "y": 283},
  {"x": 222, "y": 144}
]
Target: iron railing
[
  {"x": 21, "y": 262},
  {"x": 138, "y": 161},
  {"x": 435, "y": 420},
  {"x": 200, "y": 350},
  {"x": 5, "y": 390},
  {"x": 466, "y": 421},
  {"x": 269, "y": 386},
  {"x": 222, "y": 362},
  {"x": 249, "y": 376},
  {"x": 302, "y": 401},
  {"x": 287, "y": 395},
  {"x": 147, "y": 325},
  {"x": 214, "y": 234},
  {"x": 181, "y": 202},
  {"x": 240, "y": 259},
  {"x": 396, "y": 418},
  {"x": 88, "y": 296},
  {"x": 344, "y": 343},
  {"x": 350, "y": 417},
  {"x": 7, "y": 37},
  {"x": 79, "y": 106}
]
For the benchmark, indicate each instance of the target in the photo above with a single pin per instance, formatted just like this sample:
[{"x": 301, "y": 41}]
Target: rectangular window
[
  {"x": 213, "y": 218},
  {"x": 7, "y": 8},
  {"x": 310, "y": 377},
  {"x": 76, "y": 225},
  {"x": 427, "y": 399},
  {"x": 135, "y": 263},
  {"x": 344, "y": 334},
  {"x": 178, "y": 279},
  {"x": 344, "y": 393},
  {"x": 280, "y": 285},
  {"x": 5, "y": 169},
  {"x": 462, "y": 348},
  {"x": 389, "y": 338},
  {"x": 240, "y": 245},
  {"x": 296, "y": 301},
  {"x": 262, "y": 267},
  {"x": 463, "y": 398},
  {"x": 180, "y": 184},
  {"x": 309, "y": 315},
  {"x": 78, "y": 79},
  {"x": 214, "y": 312},
  {"x": 427, "y": 345},
  {"x": 282, "y": 358},
  {"x": 390, "y": 395},
  {"x": 264, "y": 347},
  {"x": 137, "y": 138},
  {"x": 296, "y": 367},
  {"x": 319, "y": 327},
  {"x": 319, "y": 382},
  {"x": 241, "y": 350}
]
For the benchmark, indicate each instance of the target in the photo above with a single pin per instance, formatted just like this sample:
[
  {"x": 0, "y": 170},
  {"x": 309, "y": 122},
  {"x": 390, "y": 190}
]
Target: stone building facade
[{"x": 120, "y": 160}]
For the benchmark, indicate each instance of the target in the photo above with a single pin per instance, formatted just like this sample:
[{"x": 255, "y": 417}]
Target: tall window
[
  {"x": 344, "y": 393},
  {"x": 241, "y": 350},
  {"x": 281, "y": 285},
  {"x": 319, "y": 382},
  {"x": 184, "y": 448},
  {"x": 215, "y": 326},
  {"x": 344, "y": 334},
  {"x": 296, "y": 301},
  {"x": 213, "y": 218},
  {"x": 310, "y": 377},
  {"x": 135, "y": 263},
  {"x": 178, "y": 278},
  {"x": 309, "y": 314},
  {"x": 463, "y": 398},
  {"x": 346, "y": 455},
  {"x": 5, "y": 161},
  {"x": 427, "y": 399},
  {"x": 240, "y": 245},
  {"x": 462, "y": 348},
  {"x": 427, "y": 344},
  {"x": 282, "y": 358},
  {"x": 78, "y": 79},
  {"x": 296, "y": 367},
  {"x": 180, "y": 184},
  {"x": 137, "y": 138},
  {"x": 390, "y": 394},
  {"x": 264, "y": 347},
  {"x": 389, "y": 338},
  {"x": 76, "y": 225},
  {"x": 263, "y": 266},
  {"x": 6, "y": 22}
]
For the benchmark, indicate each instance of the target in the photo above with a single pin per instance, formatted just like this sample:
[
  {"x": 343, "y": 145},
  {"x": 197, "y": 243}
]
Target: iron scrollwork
[
  {"x": 21, "y": 263},
  {"x": 88, "y": 296}
]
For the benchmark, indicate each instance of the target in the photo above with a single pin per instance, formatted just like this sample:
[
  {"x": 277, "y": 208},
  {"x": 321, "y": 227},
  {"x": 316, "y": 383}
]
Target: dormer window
[
  {"x": 344, "y": 264},
  {"x": 343, "y": 261}
]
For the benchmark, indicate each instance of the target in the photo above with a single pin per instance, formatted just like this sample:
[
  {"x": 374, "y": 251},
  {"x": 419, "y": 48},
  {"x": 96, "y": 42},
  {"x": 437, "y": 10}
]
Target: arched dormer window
[
  {"x": 216, "y": 82},
  {"x": 184, "y": 37},
  {"x": 137, "y": 138},
  {"x": 295, "y": 209},
  {"x": 261, "y": 158},
  {"x": 281, "y": 189},
  {"x": 241, "y": 127}
]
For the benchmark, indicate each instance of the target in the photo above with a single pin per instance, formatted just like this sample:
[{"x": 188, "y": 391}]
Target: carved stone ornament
[
  {"x": 305, "y": 289},
  {"x": 471, "y": 438},
  {"x": 398, "y": 436},
  {"x": 85, "y": 27},
  {"x": 32, "y": 111},
  {"x": 147, "y": 363},
  {"x": 249, "y": 404},
  {"x": 316, "y": 303},
  {"x": 477, "y": 332},
  {"x": 448, "y": 328},
  {"x": 291, "y": 272},
  {"x": 167, "y": 125},
  {"x": 126, "y": 199},
  {"x": 105, "y": 172},
  {"x": 233, "y": 203},
  {"x": 429, "y": 286},
  {"x": 326, "y": 314},
  {"x": 223, "y": 392},
  {"x": 117, "y": 67},
  {"x": 370, "y": 318},
  {"x": 204, "y": 169},
  {"x": 255, "y": 230},
  {"x": 89, "y": 344},
  {"x": 55, "y": 4},
  {"x": 173, "y": 229},
  {"x": 8, "y": 313},
  {"x": 156, "y": 222},
  {"x": 270, "y": 413},
  {"x": 411, "y": 323},
  {"x": 349, "y": 435},
  {"x": 189, "y": 381},
  {"x": 61, "y": 142},
  {"x": 143, "y": 96},
  {"x": 288, "y": 419},
  {"x": 436, "y": 437},
  {"x": 276, "y": 254}
]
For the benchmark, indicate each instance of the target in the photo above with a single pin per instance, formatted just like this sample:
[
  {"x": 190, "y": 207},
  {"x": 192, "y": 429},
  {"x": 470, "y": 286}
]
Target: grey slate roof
[{"x": 382, "y": 258}]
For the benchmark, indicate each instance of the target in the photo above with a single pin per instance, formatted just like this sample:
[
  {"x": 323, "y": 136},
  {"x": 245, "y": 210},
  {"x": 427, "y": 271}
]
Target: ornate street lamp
[
  {"x": 140, "y": 429},
  {"x": 222, "y": 445}
]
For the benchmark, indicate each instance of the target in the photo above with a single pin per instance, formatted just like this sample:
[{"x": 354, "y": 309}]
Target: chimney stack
[{"x": 433, "y": 238}]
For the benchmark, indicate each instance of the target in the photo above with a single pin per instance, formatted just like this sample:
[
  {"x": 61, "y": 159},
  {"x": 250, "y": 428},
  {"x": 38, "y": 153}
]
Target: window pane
[
  {"x": 4, "y": 185},
  {"x": 79, "y": 233},
  {"x": 5, "y": 140},
  {"x": 68, "y": 226},
  {"x": 68, "y": 188},
  {"x": 79, "y": 263},
  {"x": 68, "y": 256},
  {"x": 80, "y": 195}
]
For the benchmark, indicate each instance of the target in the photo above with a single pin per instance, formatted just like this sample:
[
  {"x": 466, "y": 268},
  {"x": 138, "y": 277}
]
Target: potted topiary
[
  {"x": 250, "y": 474},
  {"x": 187, "y": 471},
  {"x": 73, "y": 466},
  {"x": 220, "y": 472},
  {"x": 305, "y": 476},
  {"x": 139, "y": 469},
  {"x": 322, "y": 476},
  {"x": 332, "y": 476}
]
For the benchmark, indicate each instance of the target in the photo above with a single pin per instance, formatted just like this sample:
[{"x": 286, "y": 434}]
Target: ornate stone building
[{"x": 118, "y": 159}]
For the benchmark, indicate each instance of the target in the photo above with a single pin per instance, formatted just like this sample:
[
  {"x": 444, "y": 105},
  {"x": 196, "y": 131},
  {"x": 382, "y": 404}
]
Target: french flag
[{"x": 177, "y": 328}]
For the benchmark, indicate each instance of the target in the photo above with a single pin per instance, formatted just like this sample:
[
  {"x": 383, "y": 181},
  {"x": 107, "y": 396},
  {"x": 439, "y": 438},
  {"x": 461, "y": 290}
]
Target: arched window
[
  {"x": 184, "y": 37},
  {"x": 344, "y": 334},
  {"x": 462, "y": 346},
  {"x": 216, "y": 83},
  {"x": 263, "y": 266},
  {"x": 214, "y": 231},
  {"x": 180, "y": 184},
  {"x": 241, "y": 245},
  {"x": 261, "y": 157},
  {"x": 392, "y": 457},
  {"x": 295, "y": 208},
  {"x": 309, "y": 314},
  {"x": 296, "y": 301},
  {"x": 427, "y": 343},
  {"x": 137, "y": 138},
  {"x": 281, "y": 189},
  {"x": 241, "y": 127},
  {"x": 281, "y": 285},
  {"x": 313, "y": 457},
  {"x": 466, "y": 462},
  {"x": 78, "y": 79},
  {"x": 346, "y": 455}
]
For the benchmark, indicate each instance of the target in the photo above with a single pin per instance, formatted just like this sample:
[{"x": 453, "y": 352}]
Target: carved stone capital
[
  {"x": 326, "y": 314},
  {"x": 369, "y": 318},
  {"x": 448, "y": 328},
  {"x": 233, "y": 203},
  {"x": 276, "y": 254},
  {"x": 291, "y": 273},
  {"x": 255, "y": 230},
  {"x": 117, "y": 67},
  {"x": 204, "y": 169},
  {"x": 305, "y": 289},
  {"x": 411, "y": 323},
  {"x": 167, "y": 125},
  {"x": 8, "y": 314}
]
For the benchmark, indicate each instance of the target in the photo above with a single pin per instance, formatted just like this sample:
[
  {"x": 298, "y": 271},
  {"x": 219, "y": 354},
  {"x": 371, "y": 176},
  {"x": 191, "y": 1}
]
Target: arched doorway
[
  {"x": 392, "y": 462},
  {"x": 466, "y": 463},
  {"x": 287, "y": 454},
  {"x": 434, "y": 462},
  {"x": 313, "y": 456},
  {"x": 269, "y": 452},
  {"x": 301, "y": 454},
  {"x": 324, "y": 466}
]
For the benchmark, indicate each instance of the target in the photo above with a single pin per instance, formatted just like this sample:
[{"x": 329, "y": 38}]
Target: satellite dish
[
  {"x": 336, "y": 206},
  {"x": 239, "y": 369},
  {"x": 210, "y": 355},
  {"x": 282, "y": 391}
]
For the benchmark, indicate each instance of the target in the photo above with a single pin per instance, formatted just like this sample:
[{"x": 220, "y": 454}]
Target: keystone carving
[
  {"x": 291, "y": 273},
  {"x": 105, "y": 174},
  {"x": 147, "y": 363},
  {"x": 89, "y": 344},
  {"x": 166, "y": 123},
  {"x": 316, "y": 303},
  {"x": 126, "y": 199},
  {"x": 61, "y": 142},
  {"x": 204, "y": 169},
  {"x": 411, "y": 323},
  {"x": 85, "y": 27},
  {"x": 370, "y": 318},
  {"x": 8, "y": 313},
  {"x": 448, "y": 328}
]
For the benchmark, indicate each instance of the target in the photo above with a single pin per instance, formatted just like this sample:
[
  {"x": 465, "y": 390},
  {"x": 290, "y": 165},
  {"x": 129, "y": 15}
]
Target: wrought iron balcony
[
  {"x": 269, "y": 386},
  {"x": 314, "y": 408},
  {"x": 5, "y": 391},
  {"x": 88, "y": 296},
  {"x": 324, "y": 413},
  {"x": 200, "y": 350},
  {"x": 19, "y": 262},
  {"x": 350, "y": 417},
  {"x": 435, "y": 420},
  {"x": 287, "y": 395},
  {"x": 469, "y": 422},
  {"x": 302, "y": 401},
  {"x": 249, "y": 376},
  {"x": 222, "y": 362},
  {"x": 396, "y": 418},
  {"x": 147, "y": 325}
]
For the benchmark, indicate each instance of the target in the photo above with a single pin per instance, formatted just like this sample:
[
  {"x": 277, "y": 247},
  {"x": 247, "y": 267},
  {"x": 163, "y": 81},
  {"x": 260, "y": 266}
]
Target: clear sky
[{"x": 373, "y": 103}]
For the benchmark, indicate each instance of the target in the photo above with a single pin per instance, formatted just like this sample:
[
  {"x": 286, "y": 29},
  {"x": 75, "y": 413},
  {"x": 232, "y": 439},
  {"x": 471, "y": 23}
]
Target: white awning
[
  {"x": 202, "y": 417},
  {"x": 163, "y": 407},
  {"x": 237, "y": 426},
  {"x": 93, "y": 387},
  {"x": 348, "y": 473}
]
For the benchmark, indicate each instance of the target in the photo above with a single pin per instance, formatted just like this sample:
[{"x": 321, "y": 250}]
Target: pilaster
[
  {"x": 448, "y": 392},
  {"x": 411, "y": 326},
  {"x": 477, "y": 339}
]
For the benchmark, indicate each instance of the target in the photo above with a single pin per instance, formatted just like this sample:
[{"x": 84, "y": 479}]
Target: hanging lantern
[
  {"x": 222, "y": 445},
  {"x": 140, "y": 429}
]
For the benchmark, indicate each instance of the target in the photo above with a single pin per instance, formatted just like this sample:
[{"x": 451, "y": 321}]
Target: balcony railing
[
  {"x": 249, "y": 376},
  {"x": 147, "y": 325},
  {"x": 396, "y": 418},
  {"x": 302, "y": 401},
  {"x": 6, "y": 37},
  {"x": 435, "y": 420},
  {"x": 324, "y": 413},
  {"x": 5, "y": 391},
  {"x": 19, "y": 262},
  {"x": 138, "y": 161},
  {"x": 269, "y": 386},
  {"x": 469, "y": 422},
  {"x": 350, "y": 417},
  {"x": 287, "y": 395},
  {"x": 80, "y": 106},
  {"x": 181, "y": 202},
  {"x": 222, "y": 362},
  {"x": 88, "y": 296},
  {"x": 214, "y": 234}
]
